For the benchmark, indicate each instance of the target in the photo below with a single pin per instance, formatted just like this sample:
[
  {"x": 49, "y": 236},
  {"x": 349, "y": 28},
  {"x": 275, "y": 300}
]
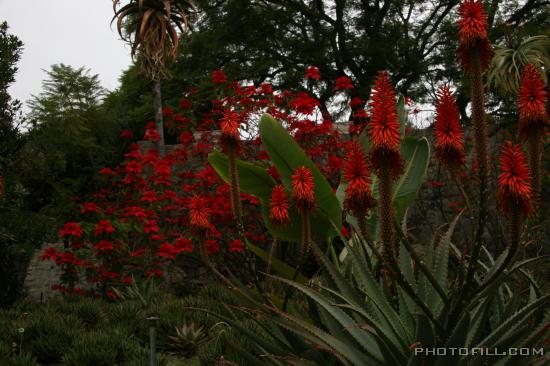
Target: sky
[{"x": 73, "y": 32}]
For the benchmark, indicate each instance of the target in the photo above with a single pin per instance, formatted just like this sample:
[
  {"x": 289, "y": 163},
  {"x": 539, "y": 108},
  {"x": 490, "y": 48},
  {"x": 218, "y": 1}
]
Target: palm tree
[
  {"x": 151, "y": 28},
  {"x": 504, "y": 72}
]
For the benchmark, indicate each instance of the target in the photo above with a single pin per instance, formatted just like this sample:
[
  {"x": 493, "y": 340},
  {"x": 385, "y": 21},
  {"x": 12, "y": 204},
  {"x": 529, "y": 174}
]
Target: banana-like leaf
[
  {"x": 252, "y": 179},
  {"x": 416, "y": 153},
  {"x": 287, "y": 155}
]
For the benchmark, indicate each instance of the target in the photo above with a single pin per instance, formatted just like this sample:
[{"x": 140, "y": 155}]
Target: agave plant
[
  {"x": 188, "y": 339},
  {"x": 504, "y": 73}
]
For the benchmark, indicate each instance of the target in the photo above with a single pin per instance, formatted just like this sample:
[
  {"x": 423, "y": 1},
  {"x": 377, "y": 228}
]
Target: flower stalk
[{"x": 385, "y": 157}]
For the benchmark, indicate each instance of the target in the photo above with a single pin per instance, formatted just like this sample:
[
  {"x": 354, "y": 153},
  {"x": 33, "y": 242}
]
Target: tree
[
  {"x": 69, "y": 139},
  {"x": 150, "y": 27},
  {"x": 10, "y": 52}
]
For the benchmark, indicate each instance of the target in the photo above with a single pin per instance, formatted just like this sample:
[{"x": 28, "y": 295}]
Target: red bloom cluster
[
  {"x": 514, "y": 182},
  {"x": 219, "y": 77},
  {"x": 104, "y": 227},
  {"x": 472, "y": 33},
  {"x": 358, "y": 197},
  {"x": 236, "y": 246},
  {"x": 449, "y": 145},
  {"x": 312, "y": 72},
  {"x": 170, "y": 251},
  {"x": 384, "y": 127},
  {"x": 279, "y": 206},
  {"x": 151, "y": 133},
  {"x": 71, "y": 229},
  {"x": 532, "y": 101},
  {"x": 343, "y": 83},
  {"x": 149, "y": 200},
  {"x": 126, "y": 134},
  {"x": 304, "y": 104},
  {"x": 303, "y": 193}
]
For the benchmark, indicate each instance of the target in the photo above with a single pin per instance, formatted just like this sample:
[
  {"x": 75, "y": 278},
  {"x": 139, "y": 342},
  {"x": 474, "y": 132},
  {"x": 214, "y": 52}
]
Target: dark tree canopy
[{"x": 10, "y": 52}]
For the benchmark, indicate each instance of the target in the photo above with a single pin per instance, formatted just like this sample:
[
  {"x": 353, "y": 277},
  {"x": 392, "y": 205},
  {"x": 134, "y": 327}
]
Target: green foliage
[
  {"x": 188, "y": 339},
  {"x": 96, "y": 348},
  {"x": 21, "y": 232},
  {"x": 69, "y": 139},
  {"x": 22, "y": 359},
  {"x": 10, "y": 138},
  {"x": 49, "y": 335},
  {"x": 286, "y": 155},
  {"x": 505, "y": 70}
]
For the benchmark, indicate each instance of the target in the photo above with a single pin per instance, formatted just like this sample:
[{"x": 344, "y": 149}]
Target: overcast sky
[{"x": 73, "y": 32}]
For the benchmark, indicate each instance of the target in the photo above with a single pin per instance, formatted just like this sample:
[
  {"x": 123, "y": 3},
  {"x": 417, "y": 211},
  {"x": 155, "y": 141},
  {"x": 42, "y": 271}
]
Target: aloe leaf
[
  {"x": 424, "y": 338},
  {"x": 514, "y": 321},
  {"x": 344, "y": 352},
  {"x": 532, "y": 340},
  {"x": 270, "y": 347},
  {"x": 362, "y": 337},
  {"x": 283, "y": 269},
  {"x": 456, "y": 340},
  {"x": 406, "y": 308},
  {"x": 479, "y": 315},
  {"x": 386, "y": 313},
  {"x": 441, "y": 262}
]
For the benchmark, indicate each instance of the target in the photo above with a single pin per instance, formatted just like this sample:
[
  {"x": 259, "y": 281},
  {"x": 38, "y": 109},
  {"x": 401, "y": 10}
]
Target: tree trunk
[{"x": 157, "y": 103}]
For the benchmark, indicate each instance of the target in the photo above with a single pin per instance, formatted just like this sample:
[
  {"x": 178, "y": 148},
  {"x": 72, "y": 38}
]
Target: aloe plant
[{"x": 352, "y": 320}]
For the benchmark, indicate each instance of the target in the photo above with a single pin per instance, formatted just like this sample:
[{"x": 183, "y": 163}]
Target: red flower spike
[
  {"x": 230, "y": 136},
  {"x": 278, "y": 206},
  {"x": 449, "y": 146},
  {"x": 358, "y": 197},
  {"x": 514, "y": 182},
  {"x": 384, "y": 127},
  {"x": 532, "y": 101},
  {"x": 199, "y": 213},
  {"x": 303, "y": 186},
  {"x": 472, "y": 33}
]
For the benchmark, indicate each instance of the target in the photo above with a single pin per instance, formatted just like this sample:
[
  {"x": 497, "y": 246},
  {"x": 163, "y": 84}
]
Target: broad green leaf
[
  {"x": 287, "y": 155},
  {"x": 256, "y": 181},
  {"x": 416, "y": 153},
  {"x": 252, "y": 179}
]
